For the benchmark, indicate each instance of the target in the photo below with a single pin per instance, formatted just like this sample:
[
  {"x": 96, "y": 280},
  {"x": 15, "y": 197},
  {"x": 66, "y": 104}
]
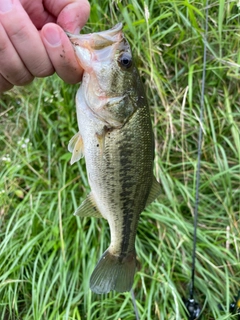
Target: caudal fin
[{"x": 113, "y": 273}]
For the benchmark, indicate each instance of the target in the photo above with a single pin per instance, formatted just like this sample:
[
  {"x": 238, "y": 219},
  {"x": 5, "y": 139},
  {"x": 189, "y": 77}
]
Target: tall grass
[{"x": 47, "y": 254}]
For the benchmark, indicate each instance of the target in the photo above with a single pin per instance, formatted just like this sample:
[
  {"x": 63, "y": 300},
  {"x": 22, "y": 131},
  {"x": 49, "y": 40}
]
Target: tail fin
[{"x": 113, "y": 273}]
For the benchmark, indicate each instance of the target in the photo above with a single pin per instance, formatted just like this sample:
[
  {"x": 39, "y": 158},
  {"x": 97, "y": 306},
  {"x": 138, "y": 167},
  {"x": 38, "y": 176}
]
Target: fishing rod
[
  {"x": 235, "y": 306},
  {"x": 192, "y": 306},
  {"x": 135, "y": 305}
]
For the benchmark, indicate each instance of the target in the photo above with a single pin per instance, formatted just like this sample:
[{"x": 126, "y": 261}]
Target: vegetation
[{"x": 47, "y": 254}]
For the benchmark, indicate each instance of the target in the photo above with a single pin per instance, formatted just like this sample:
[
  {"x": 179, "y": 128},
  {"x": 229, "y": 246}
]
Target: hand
[{"x": 33, "y": 43}]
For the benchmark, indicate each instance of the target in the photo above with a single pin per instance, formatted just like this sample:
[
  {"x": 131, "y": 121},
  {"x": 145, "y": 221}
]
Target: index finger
[{"x": 71, "y": 15}]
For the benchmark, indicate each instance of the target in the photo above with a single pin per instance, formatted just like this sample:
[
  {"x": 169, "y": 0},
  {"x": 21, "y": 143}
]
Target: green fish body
[{"x": 116, "y": 138}]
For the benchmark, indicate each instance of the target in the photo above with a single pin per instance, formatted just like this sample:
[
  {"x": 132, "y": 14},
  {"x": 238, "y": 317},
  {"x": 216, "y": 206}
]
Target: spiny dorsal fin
[
  {"x": 154, "y": 192},
  {"x": 88, "y": 208},
  {"x": 76, "y": 147}
]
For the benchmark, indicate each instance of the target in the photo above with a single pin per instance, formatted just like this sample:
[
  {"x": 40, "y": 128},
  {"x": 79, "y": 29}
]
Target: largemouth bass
[{"x": 115, "y": 136}]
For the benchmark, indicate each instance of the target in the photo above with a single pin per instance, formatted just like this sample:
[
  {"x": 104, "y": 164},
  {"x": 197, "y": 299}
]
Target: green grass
[{"x": 47, "y": 254}]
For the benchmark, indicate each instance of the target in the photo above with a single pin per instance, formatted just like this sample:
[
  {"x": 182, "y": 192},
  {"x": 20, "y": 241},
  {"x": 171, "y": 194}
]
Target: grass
[{"x": 47, "y": 254}]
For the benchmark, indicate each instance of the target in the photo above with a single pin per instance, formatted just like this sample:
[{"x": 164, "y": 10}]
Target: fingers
[
  {"x": 4, "y": 84},
  {"x": 61, "y": 53},
  {"x": 38, "y": 13},
  {"x": 22, "y": 53},
  {"x": 72, "y": 15},
  {"x": 25, "y": 39},
  {"x": 11, "y": 62},
  {"x": 26, "y": 53}
]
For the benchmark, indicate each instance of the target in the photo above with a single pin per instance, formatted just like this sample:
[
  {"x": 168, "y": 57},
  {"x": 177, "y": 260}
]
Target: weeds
[{"x": 47, "y": 254}]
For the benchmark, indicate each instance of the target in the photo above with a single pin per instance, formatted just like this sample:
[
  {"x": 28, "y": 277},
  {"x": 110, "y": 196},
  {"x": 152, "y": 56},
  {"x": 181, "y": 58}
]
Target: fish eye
[{"x": 125, "y": 60}]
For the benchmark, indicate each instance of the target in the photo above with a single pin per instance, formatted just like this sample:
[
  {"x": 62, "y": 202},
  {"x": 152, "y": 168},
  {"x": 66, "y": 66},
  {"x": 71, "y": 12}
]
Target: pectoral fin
[
  {"x": 76, "y": 147},
  {"x": 154, "y": 192},
  {"x": 88, "y": 208}
]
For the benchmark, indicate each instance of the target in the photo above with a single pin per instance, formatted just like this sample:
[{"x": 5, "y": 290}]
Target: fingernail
[
  {"x": 5, "y": 5},
  {"x": 52, "y": 36}
]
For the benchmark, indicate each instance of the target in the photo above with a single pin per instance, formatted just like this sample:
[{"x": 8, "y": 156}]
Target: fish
[{"x": 116, "y": 138}]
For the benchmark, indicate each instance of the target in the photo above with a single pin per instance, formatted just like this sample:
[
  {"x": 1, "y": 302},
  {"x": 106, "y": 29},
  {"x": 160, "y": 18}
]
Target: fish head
[{"x": 110, "y": 77}]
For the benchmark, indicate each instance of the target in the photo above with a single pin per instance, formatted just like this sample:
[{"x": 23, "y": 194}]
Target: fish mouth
[{"x": 98, "y": 46}]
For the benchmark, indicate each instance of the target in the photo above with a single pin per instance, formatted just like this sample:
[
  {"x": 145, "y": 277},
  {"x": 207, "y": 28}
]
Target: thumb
[{"x": 61, "y": 53}]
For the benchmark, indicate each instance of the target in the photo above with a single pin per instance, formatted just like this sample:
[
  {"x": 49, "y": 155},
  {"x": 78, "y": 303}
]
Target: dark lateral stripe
[{"x": 128, "y": 208}]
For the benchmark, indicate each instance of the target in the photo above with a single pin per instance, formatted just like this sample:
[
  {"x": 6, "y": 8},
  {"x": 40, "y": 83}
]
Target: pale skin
[{"x": 33, "y": 42}]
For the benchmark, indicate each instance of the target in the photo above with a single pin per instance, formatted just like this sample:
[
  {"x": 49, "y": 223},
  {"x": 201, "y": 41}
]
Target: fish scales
[
  {"x": 128, "y": 184},
  {"x": 116, "y": 138}
]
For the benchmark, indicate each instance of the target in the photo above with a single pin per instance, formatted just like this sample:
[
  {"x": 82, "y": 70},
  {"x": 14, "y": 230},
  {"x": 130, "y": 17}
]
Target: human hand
[{"x": 33, "y": 43}]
